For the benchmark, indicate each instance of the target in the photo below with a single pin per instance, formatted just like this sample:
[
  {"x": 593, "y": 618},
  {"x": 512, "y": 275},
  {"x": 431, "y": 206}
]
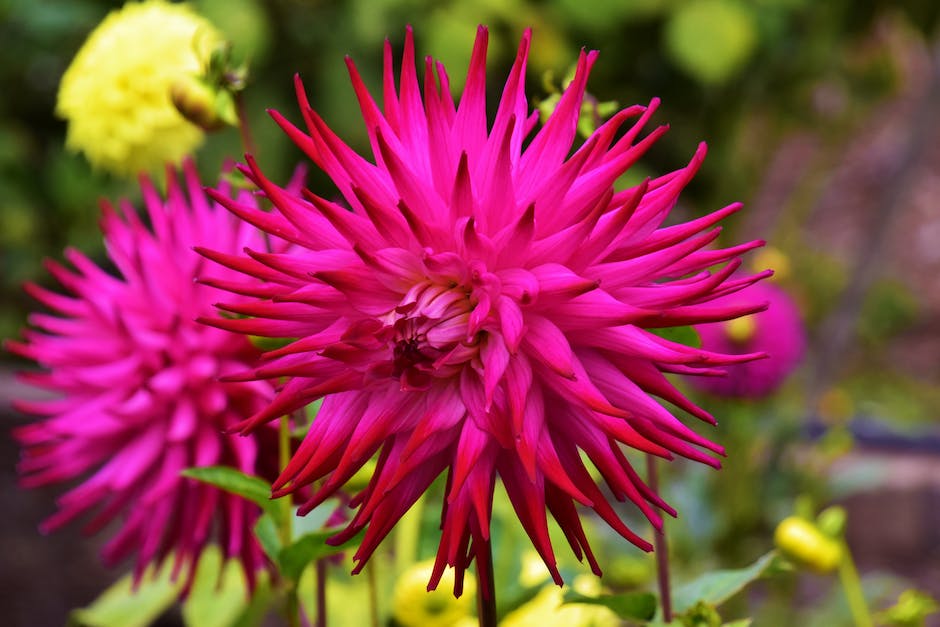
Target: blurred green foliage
[
  {"x": 720, "y": 66},
  {"x": 770, "y": 54}
]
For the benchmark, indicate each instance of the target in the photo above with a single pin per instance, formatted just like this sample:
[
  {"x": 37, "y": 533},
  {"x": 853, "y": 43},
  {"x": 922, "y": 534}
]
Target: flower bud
[
  {"x": 802, "y": 542},
  {"x": 911, "y": 610},
  {"x": 701, "y": 614},
  {"x": 205, "y": 107},
  {"x": 831, "y": 521}
]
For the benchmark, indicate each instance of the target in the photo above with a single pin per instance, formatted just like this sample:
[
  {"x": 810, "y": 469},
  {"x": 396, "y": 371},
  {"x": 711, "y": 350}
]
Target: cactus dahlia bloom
[
  {"x": 116, "y": 92},
  {"x": 136, "y": 378},
  {"x": 485, "y": 310},
  {"x": 778, "y": 331}
]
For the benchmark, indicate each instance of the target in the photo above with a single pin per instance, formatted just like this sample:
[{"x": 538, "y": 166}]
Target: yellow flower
[
  {"x": 116, "y": 93},
  {"x": 546, "y": 609},
  {"x": 414, "y": 606}
]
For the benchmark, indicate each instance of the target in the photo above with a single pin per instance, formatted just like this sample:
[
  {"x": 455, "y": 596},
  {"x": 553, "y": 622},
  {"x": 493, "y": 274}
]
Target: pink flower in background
[
  {"x": 778, "y": 331},
  {"x": 135, "y": 376},
  {"x": 483, "y": 311}
]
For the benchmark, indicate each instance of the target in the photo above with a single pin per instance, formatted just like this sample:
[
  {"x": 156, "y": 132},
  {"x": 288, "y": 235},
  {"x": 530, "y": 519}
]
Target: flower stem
[
  {"x": 486, "y": 589},
  {"x": 852, "y": 587},
  {"x": 291, "y": 602},
  {"x": 292, "y": 605},
  {"x": 407, "y": 536},
  {"x": 248, "y": 143},
  {"x": 321, "y": 593},
  {"x": 373, "y": 596},
  {"x": 283, "y": 457},
  {"x": 660, "y": 547}
]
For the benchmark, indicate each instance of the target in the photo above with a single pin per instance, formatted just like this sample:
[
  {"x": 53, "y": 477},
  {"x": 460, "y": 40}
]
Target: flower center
[
  {"x": 407, "y": 353},
  {"x": 429, "y": 334}
]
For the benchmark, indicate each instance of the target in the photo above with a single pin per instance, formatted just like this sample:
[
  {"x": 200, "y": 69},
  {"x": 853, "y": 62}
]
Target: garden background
[{"x": 822, "y": 117}]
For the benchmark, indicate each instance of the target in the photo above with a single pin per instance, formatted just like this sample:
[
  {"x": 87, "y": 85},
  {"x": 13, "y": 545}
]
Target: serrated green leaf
[
  {"x": 629, "y": 606},
  {"x": 123, "y": 606},
  {"x": 268, "y": 537},
  {"x": 254, "y": 489},
  {"x": 681, "y": 335},
  {"x": 718, "y": 586},
  {"x": 309, "y": 547}
]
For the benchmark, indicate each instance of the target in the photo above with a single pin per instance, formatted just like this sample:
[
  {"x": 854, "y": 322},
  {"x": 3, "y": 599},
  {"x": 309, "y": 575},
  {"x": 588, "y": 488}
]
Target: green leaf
[
  {"x": 309, "y": 547},
  {"x": 121, "y": 605},
  {"x": 718, "y": 586},
  {"x": 681, "y": 335},
  {"x": 268, "y": 537},
  {"x": 254, "y": 489},
  {"x": 629, "y": 606}
]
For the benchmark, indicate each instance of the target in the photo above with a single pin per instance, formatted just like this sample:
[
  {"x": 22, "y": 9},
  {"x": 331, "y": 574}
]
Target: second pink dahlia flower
[
  {"x": 136, "y": 382},
  {"x": 778, "y": 331},
  {"x": 485, "y": 310}
]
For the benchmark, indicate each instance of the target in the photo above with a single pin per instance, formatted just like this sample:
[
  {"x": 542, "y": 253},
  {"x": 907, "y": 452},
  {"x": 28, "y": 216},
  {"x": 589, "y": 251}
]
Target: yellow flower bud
[
  {"x": 801, "y": 541},
  {"x": 414, "y": 606},
  {"x": 199, "y": 103}
]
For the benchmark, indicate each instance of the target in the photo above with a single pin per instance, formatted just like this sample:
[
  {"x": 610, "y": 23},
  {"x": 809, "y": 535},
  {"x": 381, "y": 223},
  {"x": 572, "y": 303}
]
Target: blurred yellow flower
[
  {"x": 414, "y": 606},
  {"x": 116, "y": 93},
  {"x": 772, "y": 257},
  {"x": 546, "y": 609}
]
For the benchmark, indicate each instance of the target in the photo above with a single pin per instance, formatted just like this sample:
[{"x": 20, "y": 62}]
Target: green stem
[
  {"x": 660, "y": 547},
  {"x": 292, "y": 605},
  {"x": 486, "y": 588},
  {"x": 283, "y": 457},
  {"x": 852, "y": 587},
  {"x": 291, "y": 602},
  {"x": 244, "y": 130},
  {"x": 407, "y": 535},
  {"x": 321, "y": 592}
]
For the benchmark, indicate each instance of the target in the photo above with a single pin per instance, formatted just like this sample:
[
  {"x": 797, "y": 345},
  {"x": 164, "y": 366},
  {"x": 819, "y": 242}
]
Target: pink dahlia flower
[
  {"x": 483, "y": 310},
  {"x": 135, "y": 375},
  {"x": 778, "y": 331}
]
